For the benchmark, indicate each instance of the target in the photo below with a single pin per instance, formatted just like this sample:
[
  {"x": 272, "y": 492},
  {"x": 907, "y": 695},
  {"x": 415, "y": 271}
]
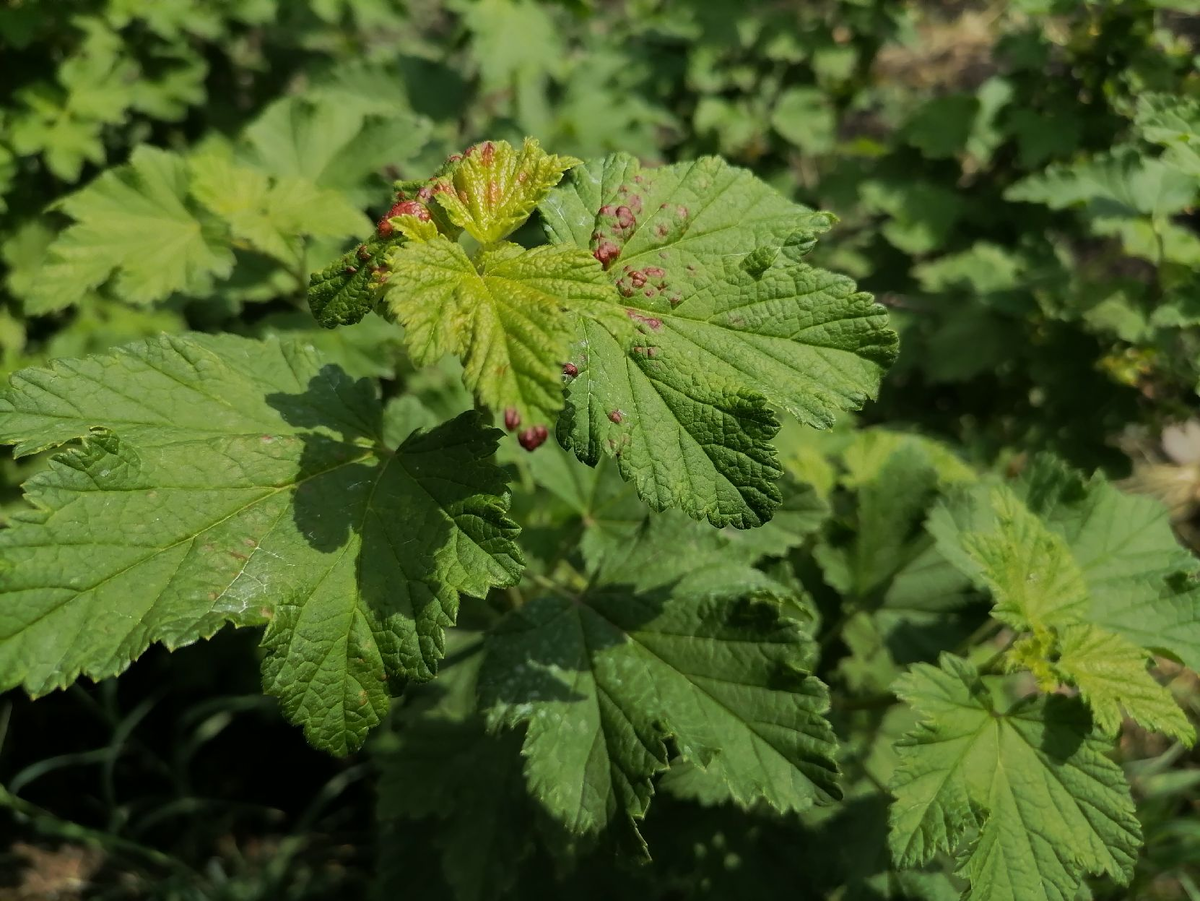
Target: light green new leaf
[
  {"x": 1174, "y": 122},
  {"x": 269, "y": 213},
  {"x": 333, "y": 142},
  {"x": 603, "y": 680},
  {"x": 509, "y": 319},
  {"x": 1138, "y": 577},
  {"x": 1118, "y": 186},
  {"x": 1110, "y": 673},
  {"x": 1033, "y": 576},
  {"x": 494, "y": 188},
  {"x": 136, "y": 222},
  {"x": 1027, "y": 797},
  {"x": 243, "y": 482},
  {"x": 705, "y": 259}
]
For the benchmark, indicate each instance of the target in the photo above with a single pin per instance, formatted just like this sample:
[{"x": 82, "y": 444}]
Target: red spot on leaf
[
  {"x": 655, "y": 272},
  {"x": 607, "y": 210},
  {"x": 350, "y": 270},
  {"x": 512, "y": 419},
  {"x": 409, "y": 208},
  {"x": 662, "y": 229},
  {"x": 652, "y": 321},
  {"x": 637, "y": 278},
  {"x": 570, "y": 370},
  {"x": 681, "y": 212},
  {"x": 487, "y": 153},
  {"x": 616, "y": 416},
  {"x": 625, "y": 217},
  {"x": 606, "y": 252},
  {"x": 362, "y": 253},
  {"x": 402, "y": 208},
  {"x": 493, "y": 193},
  {"x": 532, "y": 438}
]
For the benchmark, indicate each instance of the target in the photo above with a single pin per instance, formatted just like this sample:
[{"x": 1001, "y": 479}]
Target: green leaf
[
  {"x": 1027, "y": 797},
  {"x": 604, "y": 679},
  {"x": 507, "y": 316},
  {"x": 333, "y": 143},
  {"x": 351, "y": 287},
  {"x": 1140, "y": 581},
  {"x": 1117, "y": 186},
  {"x": 269, "y": 213},
  {"x": 891, "y": 502},
  {"x": 806, "y": 118},
  {"x": 706, "y": 259},
  {"x": 134, "y": 222},
  {"x": 698, "y": 445},
  {"x": 494, "y": 188},
  {"x": 1029, "y": 568},
  {"x": 1174, "y": 122},
  {"x": 1110, "y": 673},
  {"x": 438, "y": 766},
  {"x": 243, "y": 482}
]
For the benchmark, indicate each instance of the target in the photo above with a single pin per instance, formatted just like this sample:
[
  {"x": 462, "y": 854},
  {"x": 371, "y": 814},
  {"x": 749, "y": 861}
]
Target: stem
[
  {"x": 985, "y": 631},
  {"x": 75, "y": 832}
]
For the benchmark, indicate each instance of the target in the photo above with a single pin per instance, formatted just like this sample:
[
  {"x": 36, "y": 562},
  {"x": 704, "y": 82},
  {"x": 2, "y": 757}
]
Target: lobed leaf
[
  {"x": 494, "y": 188},
  {"x": 509, "y": 317},
  {"x": 242, "y": 482},
  {"x": 705, "y": 258},
  {"x": 1026, "y": 797},
  {"x": 602, "y": 681}
]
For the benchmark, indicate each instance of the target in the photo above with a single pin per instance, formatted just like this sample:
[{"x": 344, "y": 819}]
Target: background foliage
[{"x": 1016, "y": 181}]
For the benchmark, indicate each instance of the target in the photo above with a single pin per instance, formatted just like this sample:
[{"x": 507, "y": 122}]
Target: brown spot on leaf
[
  {"x": 487, "y": 153},
  {"x": 616, "y": 416}
]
